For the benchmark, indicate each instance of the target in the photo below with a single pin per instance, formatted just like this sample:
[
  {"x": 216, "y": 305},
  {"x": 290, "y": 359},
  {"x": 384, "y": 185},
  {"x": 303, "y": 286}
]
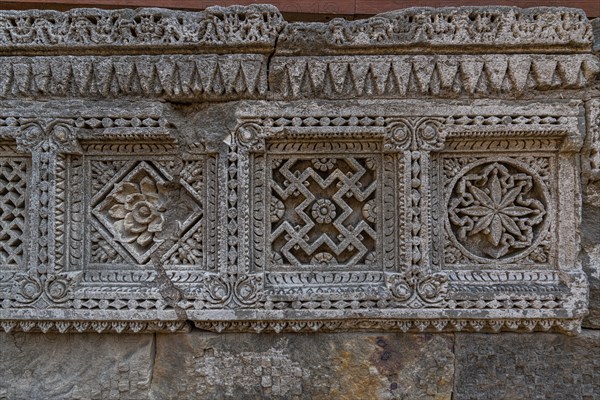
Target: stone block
[
  {"x": 297, "y": 366},
  {"x": 75, "y": 366},
  {"x": 540, "y": 366}
]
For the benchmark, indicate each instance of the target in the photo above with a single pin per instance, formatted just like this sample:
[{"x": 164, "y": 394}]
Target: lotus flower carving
[{"x": 138, "y": 211}]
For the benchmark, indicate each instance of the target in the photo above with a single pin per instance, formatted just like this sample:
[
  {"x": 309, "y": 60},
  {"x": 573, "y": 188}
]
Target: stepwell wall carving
[{"x": 420, "y": 170}]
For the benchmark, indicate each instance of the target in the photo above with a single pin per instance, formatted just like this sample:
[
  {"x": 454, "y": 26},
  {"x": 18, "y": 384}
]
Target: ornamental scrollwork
[
  {"x": 233, "y": 290},
  {"x": 38, "y": 284},
  {"x": 250, "y": 135},
  {"x": 426, "y": 134},
  {"x": 54, "y": 135},
  {"x": 416, "y": 286}
]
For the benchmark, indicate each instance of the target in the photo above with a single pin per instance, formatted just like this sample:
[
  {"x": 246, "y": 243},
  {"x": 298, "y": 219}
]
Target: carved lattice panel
[
  {"x": 335, "y": 213},
  {"x": 13, "y": 211},
  {"x": 323, "y": 210}
]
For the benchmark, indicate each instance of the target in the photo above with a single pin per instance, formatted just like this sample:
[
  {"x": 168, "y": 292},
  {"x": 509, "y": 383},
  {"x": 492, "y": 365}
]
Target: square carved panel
[
  {"x": 500, "y": 210},
  {"x": 130, "y": 210}
]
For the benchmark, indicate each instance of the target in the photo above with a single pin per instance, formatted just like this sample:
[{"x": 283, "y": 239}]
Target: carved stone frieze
[
  {"x": 145, "y": 28},
  {"x": 591, "y": 151},
  {"x": 173, "y": 77},
  {"x": 448, "y": 28},
  {"x": 161, "y": 169},
  {"x": 388, "y": 76}
]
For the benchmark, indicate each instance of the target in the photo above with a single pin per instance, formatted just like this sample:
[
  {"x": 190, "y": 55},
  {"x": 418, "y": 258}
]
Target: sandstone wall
[{"x": 162, "y": 173}]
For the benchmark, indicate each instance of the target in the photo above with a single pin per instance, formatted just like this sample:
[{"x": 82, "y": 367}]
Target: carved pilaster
[
  {"x": 44, "y": 140},
  {"x": 416, "y": 138}
]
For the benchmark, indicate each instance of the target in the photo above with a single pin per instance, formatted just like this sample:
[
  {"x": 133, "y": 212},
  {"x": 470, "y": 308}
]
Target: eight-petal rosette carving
[{"x": 497, "y": 210}]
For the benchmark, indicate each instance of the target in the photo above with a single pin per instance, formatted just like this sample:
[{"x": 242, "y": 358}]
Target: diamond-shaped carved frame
[{"x": 140, "y": 201}]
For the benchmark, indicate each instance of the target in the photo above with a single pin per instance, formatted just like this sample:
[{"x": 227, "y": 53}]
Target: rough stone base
[
  {"x": 72, "y": 366},
  {"x": 202, "y": 365},
  {"x": 543, "y": 366}
]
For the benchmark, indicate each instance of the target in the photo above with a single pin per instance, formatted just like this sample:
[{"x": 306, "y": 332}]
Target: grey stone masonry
[{"x": 423, "y": 170}]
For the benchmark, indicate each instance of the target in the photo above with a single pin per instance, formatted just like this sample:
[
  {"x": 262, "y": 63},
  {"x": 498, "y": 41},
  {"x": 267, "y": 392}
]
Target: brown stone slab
[
  {"x": 542, "y": 366},
  {"x": 77, "y": 366},
  {"x": 330, "y": 366}
]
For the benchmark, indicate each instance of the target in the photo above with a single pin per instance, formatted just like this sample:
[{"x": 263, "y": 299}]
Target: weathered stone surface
[
  {"x": 590, "y": 255},
  {"x": 213, "y": 202},
  {"x": 75, "y": 366},
  {"x": 596, "y": 31},
  {"x": 501, "y": 28},
  {"x": 172, "y": 77},
  {"x": 541, "y": 366},
  {"x": 395, "y": 76},
  {"x": 337, "y": 214},
  {"x": 324, "y": 366},
  {"x": 590, "y": 226},
  {"x": 426, "y": 170},
  {"x": 226, "y": 29}
]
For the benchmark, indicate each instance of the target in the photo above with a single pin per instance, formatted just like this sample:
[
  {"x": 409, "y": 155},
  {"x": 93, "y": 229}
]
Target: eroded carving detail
[
  {"x": 140, "y": 28},
  {"x": 53, "y": 288},
  {"x": 591, "y": 152},
  {"x": 455, "y": 25},
  {"x": 417, "y": 287},
  {"x": 232, "y": 290},
  {"x": 134, "y": 210},
  {"x": 447, "y": 76},
  {"x": 169, "y": 76}
]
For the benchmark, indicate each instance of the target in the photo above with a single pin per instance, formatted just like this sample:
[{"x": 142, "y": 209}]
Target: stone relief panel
[
  {"x": 591, "y": 152},
  {"x": 498, "y": 210},
  {"x": 323, "y": 209},
  {"x": 436, "y": 191},
  {"x": 173, "y": 77},
  {"x": 447, "y": 76},
  {"x": 131, "y": 211},
  {"x": 142, "y": 28},
  {"x": 293, "y": 208},
  {"x": 442, "y": 28}
]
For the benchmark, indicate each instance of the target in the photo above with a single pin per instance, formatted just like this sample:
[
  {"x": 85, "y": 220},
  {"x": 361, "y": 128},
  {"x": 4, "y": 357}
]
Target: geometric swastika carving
[{"x": 323, "y": 210}]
